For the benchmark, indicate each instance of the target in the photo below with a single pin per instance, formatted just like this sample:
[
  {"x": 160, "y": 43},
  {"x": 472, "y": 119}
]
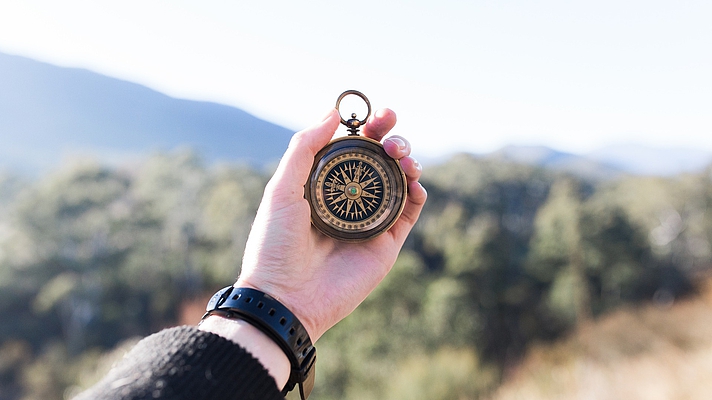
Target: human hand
[{"x": 322, "y": 280}]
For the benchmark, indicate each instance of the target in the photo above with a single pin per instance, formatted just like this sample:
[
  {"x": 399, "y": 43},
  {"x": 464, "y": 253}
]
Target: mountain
[
  {"x": 642, "y": 160},
  {"x": 609, "y": 162},
  {"x": 552, "y": 159},
  {"x": 47, "y": 112}
]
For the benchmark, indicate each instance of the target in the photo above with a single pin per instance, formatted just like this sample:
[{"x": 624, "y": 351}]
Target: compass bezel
[{"x": 364, "y": 149}]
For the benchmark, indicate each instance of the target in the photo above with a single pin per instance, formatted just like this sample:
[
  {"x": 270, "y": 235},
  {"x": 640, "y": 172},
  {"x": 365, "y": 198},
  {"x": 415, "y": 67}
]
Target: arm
[
  {"x": 185, "y": 363},
  {"x": 319, "y": 279}
]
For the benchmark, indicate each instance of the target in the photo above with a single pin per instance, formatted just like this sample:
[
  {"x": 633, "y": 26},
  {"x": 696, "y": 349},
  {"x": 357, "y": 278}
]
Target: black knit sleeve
[{"x": 185, "y": 363}]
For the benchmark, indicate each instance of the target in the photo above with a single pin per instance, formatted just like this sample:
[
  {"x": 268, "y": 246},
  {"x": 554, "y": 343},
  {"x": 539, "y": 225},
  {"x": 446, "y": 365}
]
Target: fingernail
[
  {"x": 399, "y": 142},
  {"x": 380, "y": 113},
  {"x": 417, "y": 165}
]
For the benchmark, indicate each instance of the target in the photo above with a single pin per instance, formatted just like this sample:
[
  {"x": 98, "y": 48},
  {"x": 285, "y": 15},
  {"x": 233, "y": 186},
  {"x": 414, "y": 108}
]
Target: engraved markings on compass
[{"x": 354, "y": 194}]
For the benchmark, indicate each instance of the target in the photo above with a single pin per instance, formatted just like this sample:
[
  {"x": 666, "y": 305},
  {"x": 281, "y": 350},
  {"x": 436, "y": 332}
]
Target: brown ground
[{"x": 648, "y": 352}]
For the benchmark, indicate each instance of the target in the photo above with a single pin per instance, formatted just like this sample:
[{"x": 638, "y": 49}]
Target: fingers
[
  {"x": 380, "y": 124},
  {"x": 399, "y": 148},
  {"x": 412, "y": 168},
  {"x": 396, "y": 147},
  {"x": 413, "y": 206},
  {"x": 294, "y": 168}
]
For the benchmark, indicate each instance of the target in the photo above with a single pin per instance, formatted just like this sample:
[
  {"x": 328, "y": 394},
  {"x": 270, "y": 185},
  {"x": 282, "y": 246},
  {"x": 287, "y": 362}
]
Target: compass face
[
  {"x": 356, "y": 191},
  {"x": 353, "y": 193}
]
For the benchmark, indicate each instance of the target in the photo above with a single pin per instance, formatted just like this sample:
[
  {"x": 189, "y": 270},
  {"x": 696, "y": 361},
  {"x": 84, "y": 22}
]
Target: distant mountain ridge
[
  {"x": 609, "y": 162},
  {"x": 47, "y": 111},
  {"x": 552, "y": 159},
  {"x": 652, "y": 161}
]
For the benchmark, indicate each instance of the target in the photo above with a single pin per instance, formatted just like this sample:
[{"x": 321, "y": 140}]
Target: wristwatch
[{"x": 276, "y": 321}]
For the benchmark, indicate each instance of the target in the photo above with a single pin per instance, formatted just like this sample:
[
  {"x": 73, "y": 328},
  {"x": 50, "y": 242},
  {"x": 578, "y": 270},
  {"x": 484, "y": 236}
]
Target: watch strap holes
[
  {"x": 271, "y": 312},
  {"x": 282, "y": 321},
  {"x": 291, "y": 331},
  {"x": 260, "y": 305}
]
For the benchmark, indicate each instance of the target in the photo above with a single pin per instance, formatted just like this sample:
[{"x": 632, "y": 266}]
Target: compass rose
[{"x": 353, "y": 190}]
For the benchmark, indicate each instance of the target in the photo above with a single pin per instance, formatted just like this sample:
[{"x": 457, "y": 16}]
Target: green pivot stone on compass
[{"x": 356, "y": 191}]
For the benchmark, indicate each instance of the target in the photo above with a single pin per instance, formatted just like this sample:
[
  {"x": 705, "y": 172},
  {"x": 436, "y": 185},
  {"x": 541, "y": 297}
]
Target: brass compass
[{"x": 356, "y": 191}]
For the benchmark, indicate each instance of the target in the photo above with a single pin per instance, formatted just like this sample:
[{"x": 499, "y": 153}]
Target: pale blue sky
[{"x": 461, "y": 75}]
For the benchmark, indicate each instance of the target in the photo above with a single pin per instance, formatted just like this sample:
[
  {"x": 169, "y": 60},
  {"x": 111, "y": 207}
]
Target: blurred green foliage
[{"x": 504, "y": 255}]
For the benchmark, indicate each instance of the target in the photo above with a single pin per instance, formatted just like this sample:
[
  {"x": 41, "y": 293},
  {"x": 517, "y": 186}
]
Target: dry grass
[{"x": 648, "y": 352}]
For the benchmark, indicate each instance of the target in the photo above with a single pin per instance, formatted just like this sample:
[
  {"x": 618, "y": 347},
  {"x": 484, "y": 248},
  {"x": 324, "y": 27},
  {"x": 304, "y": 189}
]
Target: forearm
[
  {"x": 186, "y": 363},
  {"x": 264, "y": 349}
]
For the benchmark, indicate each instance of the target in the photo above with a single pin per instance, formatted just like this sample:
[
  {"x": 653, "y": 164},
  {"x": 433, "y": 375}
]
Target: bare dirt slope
[{"x": 648, "y": 352}]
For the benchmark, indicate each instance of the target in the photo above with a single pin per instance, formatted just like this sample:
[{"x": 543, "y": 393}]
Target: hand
[{"x": 322, "y": 280}]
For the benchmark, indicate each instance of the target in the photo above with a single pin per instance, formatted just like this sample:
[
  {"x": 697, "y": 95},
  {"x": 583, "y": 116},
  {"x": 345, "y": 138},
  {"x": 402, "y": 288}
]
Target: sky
[{"x": 471, "y": 75}]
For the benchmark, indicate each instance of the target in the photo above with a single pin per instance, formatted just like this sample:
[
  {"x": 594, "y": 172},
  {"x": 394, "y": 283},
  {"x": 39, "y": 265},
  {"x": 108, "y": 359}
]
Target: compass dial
[
  {"x": 356, "y": 190},
  {"x": 353, "y": 193}
]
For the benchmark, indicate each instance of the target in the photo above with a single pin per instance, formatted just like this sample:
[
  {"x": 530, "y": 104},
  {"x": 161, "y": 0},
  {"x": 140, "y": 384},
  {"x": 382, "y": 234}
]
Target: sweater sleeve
[{"x": 185, "y": 363}]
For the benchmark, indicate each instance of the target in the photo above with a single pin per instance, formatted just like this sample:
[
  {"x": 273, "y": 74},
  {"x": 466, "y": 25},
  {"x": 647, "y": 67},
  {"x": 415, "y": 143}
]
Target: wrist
[
  {"x": 288, "y": 299},
  {"x": 277, "y": 323}
]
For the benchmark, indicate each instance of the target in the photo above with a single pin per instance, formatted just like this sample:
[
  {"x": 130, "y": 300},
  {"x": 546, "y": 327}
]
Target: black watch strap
[{"x": 276, "y": 321}]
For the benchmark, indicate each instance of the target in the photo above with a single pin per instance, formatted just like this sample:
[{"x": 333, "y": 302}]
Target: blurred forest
[{"x": 505, "y": 258}]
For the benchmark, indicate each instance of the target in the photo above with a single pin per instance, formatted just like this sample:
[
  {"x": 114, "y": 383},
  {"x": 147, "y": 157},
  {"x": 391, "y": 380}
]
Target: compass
[{"x": 356, "y": 191}]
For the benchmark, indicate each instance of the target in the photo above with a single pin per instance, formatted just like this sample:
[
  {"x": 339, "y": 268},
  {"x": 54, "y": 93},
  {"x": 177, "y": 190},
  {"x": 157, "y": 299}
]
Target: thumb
[{"x": 294, "y": 168}]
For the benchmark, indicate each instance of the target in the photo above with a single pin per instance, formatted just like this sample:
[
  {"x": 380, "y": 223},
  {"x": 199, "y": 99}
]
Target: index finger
[{"x": 380, "y": 124}]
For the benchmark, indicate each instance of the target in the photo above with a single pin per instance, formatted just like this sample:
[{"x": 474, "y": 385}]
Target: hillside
[
  {"x": 656, "y": 351},
  {"x": 504, "y": 257},
  {"x": 47, "y": 112}
]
